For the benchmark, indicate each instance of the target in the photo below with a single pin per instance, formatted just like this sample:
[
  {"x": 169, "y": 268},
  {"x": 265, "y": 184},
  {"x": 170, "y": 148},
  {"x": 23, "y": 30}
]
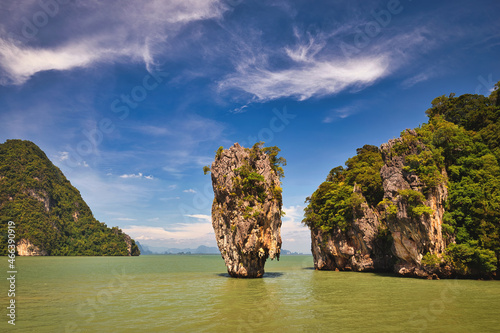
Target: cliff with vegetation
[
  {"x": 50, "y": 216},
  {"x": 426, "y": 204},
  {"x": 246, "y": 211}
]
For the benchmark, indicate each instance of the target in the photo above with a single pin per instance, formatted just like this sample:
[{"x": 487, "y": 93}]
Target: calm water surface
[{"x": 195, "y": 294}]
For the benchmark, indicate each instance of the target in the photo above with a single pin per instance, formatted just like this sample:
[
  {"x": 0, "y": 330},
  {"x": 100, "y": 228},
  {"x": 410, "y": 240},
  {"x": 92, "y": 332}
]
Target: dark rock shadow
[{"x": 270, "y": 275}]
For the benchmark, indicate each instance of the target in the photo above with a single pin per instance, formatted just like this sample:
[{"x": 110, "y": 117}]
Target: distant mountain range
[{"x": 202, "y": 249}]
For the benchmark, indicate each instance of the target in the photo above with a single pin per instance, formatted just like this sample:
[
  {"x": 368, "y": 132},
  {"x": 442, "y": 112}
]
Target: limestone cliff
[
  {"x": 26, "y": 248},
  {"x": 395, "y": 234},
  {"x": 246, "y": 211},
  {"x": 413, "y": 234},
  {"x": 360, "y": 248}
]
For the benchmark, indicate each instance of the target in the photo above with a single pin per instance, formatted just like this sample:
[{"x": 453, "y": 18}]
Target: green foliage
[
  {"x": 277, "y": 163},
  {"x": 470, "y": 258},
  {"x": 206, "y": 169},
  {"x": 389, "y": 208},
  {"x": 415, "y": 201},
  {"x": 330, "y": 207},
  {"x": 364, "y": 170},
  {"x": 425, "y": 166},
  {"x": 412, "y": 197},
  {"x": 251, "y": 183},
  {"x": 431, "y": 260},
  {"x": 467, "y": 130},
  {"x": 333, "y": 203},
  {"x": 219, "y": 151},
  {"x": 47, "y": 209}
]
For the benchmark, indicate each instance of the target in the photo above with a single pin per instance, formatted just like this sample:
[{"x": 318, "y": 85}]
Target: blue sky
[{"x": 132, "y": 98}]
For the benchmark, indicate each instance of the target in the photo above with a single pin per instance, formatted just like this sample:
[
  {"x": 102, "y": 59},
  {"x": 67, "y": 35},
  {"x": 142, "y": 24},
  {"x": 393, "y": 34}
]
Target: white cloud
[
  {"x": 293, "y": 231},
  {"x": 139, "y": 175},
  {"x": 21, "y": 62},
  {"x": 308, "y": 78},
  {"x": 201, "y": 217},
  {"x": 64, "y": 156},
  {"x": 340, "y": 113},
  {"x": 124, "y": 219},
  {"x": 189, "y": 191},
  {"x": 132, "y": 32},
  {"x": 178, "y": 232}
]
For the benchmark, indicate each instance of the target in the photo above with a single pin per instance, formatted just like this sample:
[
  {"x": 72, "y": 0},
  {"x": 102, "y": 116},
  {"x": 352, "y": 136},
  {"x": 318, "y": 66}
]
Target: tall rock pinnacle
[{"x": 246, "y": 212}]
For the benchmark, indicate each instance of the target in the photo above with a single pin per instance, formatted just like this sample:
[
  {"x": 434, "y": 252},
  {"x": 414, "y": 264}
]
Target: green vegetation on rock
[
  {"x": 458, "y": 147},
  {"x": 332, "y": 204},
  {"x": 47, "y": 210}
]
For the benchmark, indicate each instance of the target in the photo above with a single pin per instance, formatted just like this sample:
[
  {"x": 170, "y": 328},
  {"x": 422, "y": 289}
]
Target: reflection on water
[{"x": 194, "y": 293}]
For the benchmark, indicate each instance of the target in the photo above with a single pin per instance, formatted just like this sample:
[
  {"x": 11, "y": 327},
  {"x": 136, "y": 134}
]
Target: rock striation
[
  {"x": 246, "y": 211},
  {"x": 380, "y": 239}
]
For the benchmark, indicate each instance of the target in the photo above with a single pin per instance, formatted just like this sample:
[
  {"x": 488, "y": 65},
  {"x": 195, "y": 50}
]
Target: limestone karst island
[
  {"x": 426, "y": 204},
  {"x": 247, "y": 207}
]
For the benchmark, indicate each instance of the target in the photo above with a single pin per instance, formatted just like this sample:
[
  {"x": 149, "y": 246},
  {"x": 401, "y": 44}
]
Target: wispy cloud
[
  {"x": 21, "y": 62},
  {"x": 132, "y": 32},
  {"x": 189, "y": 191},
  {"x": 177, "y": 232},
  {"x": 340, "y": 113},
  {"x": 313, "y": 70},
  {"x": 292, "y": 229},
  {"x": 421, "y": 77},
  {"x": 311, "y": 79},
  {"x": 203, "y": 217},
  {"x": 138, "y": 176}
]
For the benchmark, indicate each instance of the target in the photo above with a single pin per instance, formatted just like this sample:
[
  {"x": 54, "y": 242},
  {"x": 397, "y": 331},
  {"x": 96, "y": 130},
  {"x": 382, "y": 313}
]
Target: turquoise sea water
[{"x": 195, "y": 294}]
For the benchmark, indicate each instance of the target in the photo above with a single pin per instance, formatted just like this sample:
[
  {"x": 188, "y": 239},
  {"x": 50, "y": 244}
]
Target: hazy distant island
[
  {"x": 426, "y": 204},
  {"x": 202, "y": 249},
  {"x": 50, "y": 215}
]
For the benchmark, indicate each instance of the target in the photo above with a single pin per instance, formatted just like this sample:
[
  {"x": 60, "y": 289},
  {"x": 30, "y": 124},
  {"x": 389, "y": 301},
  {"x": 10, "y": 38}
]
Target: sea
[{"x": 194, "y": 293}]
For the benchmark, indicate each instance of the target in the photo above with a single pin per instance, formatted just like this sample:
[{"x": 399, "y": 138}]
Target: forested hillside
[{"x": 49, "y": 214}]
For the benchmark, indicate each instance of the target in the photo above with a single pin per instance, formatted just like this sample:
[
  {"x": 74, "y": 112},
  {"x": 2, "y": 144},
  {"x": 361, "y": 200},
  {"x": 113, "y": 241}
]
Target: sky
[{"x": 130, "y": 99}]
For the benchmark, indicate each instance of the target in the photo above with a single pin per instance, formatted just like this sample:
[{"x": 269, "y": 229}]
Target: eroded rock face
[
  {"x": 413, "y": 235},
  {"x": 246, "y": 212},
  {"x": 408, "y": 236},
  {"x": 359, "y": 249},
  {"x": 25, "y": 248}
]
